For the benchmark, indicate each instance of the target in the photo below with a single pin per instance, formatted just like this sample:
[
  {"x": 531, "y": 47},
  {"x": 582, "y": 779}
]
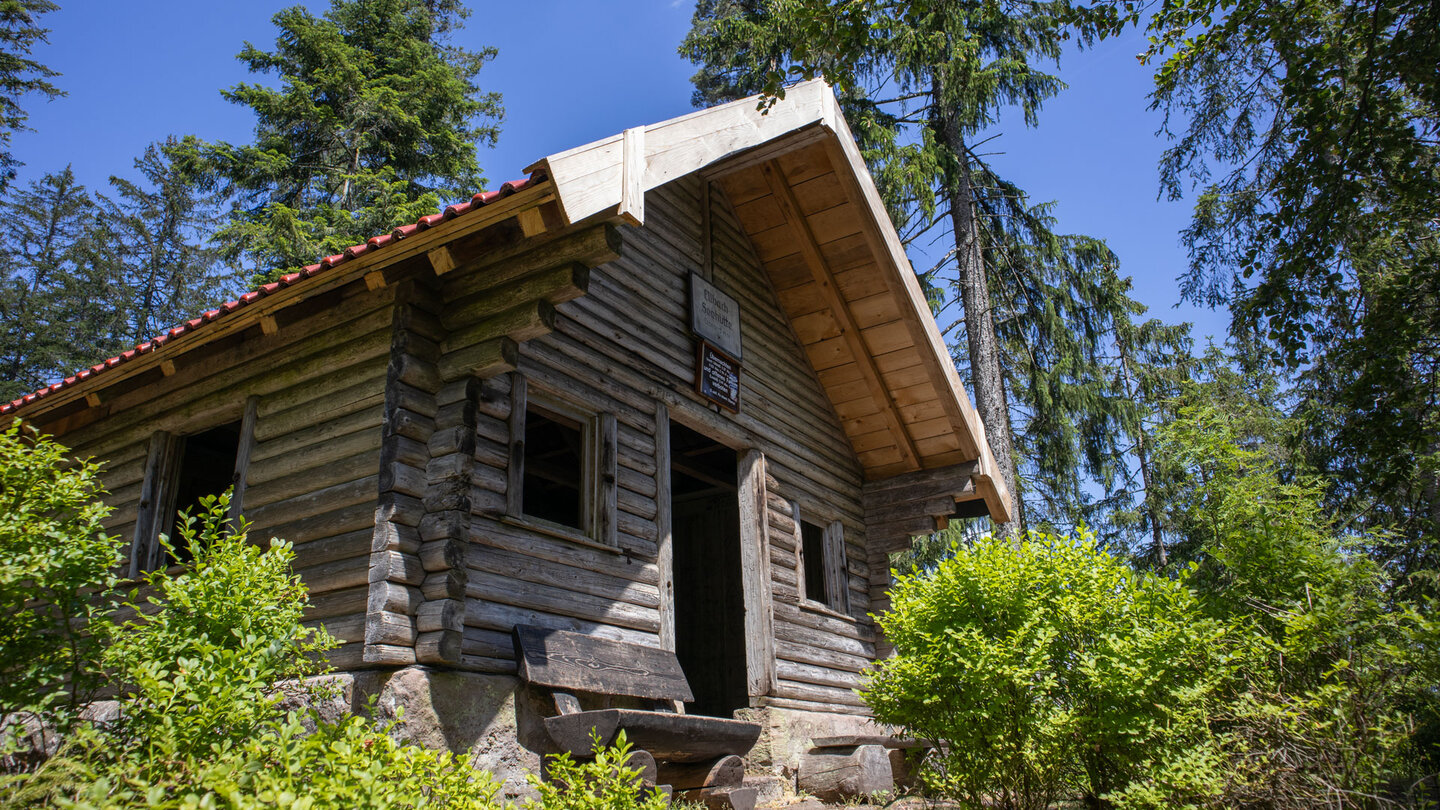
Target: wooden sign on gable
[{"x": 714, "y": 316}]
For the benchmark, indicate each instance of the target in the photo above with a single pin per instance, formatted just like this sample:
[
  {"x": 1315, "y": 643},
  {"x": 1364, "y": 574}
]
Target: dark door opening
[{"x": 709, "y": 595}]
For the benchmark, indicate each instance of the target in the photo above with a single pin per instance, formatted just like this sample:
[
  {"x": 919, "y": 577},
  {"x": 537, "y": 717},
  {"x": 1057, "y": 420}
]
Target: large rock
[{"x": 473, "y": 715}]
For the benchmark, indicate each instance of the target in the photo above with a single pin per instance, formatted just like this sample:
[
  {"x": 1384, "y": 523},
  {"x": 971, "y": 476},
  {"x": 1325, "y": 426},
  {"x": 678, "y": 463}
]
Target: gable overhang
[{"x": 795, "y": 178}]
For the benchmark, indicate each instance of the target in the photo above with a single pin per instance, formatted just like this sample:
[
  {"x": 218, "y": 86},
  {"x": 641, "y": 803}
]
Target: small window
[
  {"x": 822, "y": 572},
  {"x": 180, "y": 470},
  {"x": 812, "y": 550},
  {"x": 553, "y": 485},
  {"x": 563, "y": 472}
]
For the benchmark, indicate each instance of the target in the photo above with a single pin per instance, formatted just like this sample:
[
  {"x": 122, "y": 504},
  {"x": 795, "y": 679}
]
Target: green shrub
[
  {"x": 1050, "y": 669},
  {"x": 203, "y": 666},
  {"x": 605, "y": 782},
  {"x": 58, "y": 580},
  {"x": 1334, "y": 664}
]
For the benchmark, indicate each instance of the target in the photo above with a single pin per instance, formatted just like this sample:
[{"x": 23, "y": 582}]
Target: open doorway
[{"x": 709, "y": 594}]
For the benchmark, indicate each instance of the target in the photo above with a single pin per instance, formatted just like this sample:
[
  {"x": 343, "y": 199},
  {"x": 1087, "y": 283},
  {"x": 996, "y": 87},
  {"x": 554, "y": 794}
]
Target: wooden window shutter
[
  {"x": 157, "y": 502},
  {"x": 837, "y": 577}
]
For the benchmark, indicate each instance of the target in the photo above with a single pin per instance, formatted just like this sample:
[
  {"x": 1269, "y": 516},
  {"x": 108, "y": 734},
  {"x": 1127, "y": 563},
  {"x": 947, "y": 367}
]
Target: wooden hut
[{"x": 678, "y": 387}]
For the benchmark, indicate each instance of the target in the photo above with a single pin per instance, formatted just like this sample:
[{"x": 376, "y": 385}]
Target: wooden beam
[
  {"x": 665, "y": 553},
  {"x": 243, "y": 449},
  {"x": 832, "y": 298},
  {"x": 441, "y": 259},
  {"x": 483, "y": 360},
  {"x": 375, "y": 280},
  {"x": 755, "y": 576},
  {"x": 531, "y": 221},
  {"x": 92, "y": 399},
  {"x": 167, "y": 367},
  {"x": 268, "y": 325},
  {"x": 632, "y": 175},
  {"x": 515, "y": 470}
]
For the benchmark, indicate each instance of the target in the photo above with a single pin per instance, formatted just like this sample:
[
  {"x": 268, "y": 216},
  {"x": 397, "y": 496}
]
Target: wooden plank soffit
[{"x": 849, "y": 330}]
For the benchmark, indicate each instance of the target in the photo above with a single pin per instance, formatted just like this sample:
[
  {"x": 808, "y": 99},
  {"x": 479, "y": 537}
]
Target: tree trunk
[
  {"x": 1151, "y": 512},
  {"x": 986, "y": 377}
]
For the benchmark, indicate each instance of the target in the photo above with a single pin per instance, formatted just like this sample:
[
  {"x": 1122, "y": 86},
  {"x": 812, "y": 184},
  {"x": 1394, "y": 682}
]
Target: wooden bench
[{"x": 699, "y": 756}]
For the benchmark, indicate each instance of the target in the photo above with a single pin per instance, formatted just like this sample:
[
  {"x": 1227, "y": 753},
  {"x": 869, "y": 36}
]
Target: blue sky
[{"x": 574, "y": 71}]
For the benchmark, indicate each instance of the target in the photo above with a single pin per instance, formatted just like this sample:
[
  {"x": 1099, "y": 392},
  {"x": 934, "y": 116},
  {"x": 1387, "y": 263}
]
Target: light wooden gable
[{"x": 809, "y": 206}]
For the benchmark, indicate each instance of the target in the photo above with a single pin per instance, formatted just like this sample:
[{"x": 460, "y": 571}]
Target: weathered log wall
[
  {"x": 313, "y": 469},
  {"x": 619, "y": 348}
]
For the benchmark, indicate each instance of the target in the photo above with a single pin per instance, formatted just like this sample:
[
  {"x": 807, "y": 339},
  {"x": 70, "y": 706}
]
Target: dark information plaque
[{"x": 717, "y": 377}]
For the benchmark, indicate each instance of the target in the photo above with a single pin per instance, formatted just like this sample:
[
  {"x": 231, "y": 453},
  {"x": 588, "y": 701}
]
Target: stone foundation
[
  {"x": 490, "y": 720},
  {"x": 475, "y": 716},
  {"x": 785, "y": 734}
]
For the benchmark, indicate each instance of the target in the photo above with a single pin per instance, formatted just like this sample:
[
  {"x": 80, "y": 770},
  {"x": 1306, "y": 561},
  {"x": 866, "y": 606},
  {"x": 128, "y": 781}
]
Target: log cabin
[{"x": 678, "y": 387}]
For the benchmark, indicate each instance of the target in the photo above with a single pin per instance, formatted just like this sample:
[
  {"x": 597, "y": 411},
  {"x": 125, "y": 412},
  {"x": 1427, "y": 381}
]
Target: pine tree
[
  {"x": 1041, "y": 311},
  {"x": 20, "y": 75},
  {"x": 374, "y": 124},
  {"x": 154, "y": 235},
  {"x": 1311, "y": 132},
  {"x": 42, "y": 222}
]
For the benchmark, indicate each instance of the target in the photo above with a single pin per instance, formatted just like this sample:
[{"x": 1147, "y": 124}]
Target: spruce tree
[
  {"x": 154, "y": 235},
  {"x": 1311, "y": 134},
  {"x": 919, "y": 81},
  {"x": 374, "y": 123},
  {"x": 20, "y": 75},
  {"x": 42, "y": 221}
]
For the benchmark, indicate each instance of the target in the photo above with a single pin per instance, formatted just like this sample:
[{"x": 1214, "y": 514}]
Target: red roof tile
[{"x": 369, "y": 246}]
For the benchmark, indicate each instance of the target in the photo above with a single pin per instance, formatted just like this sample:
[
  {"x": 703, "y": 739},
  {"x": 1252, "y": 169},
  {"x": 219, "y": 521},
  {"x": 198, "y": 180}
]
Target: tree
[
  {"x": 39, "y": 280},
  {"x": 1312, "y": 133},
  {"x": 375, "y": 122},
  {"x": 20, "y": 76},
  {"x": 919, "y": 81},
  {"x": 154, "y": 239}
]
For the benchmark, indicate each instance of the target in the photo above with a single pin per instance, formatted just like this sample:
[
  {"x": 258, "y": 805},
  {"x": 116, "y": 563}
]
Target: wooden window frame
[
  {"x": 834, "y": 562},
  {"x": 599, "y": 471},
  {"x": 163, "y": 462}
]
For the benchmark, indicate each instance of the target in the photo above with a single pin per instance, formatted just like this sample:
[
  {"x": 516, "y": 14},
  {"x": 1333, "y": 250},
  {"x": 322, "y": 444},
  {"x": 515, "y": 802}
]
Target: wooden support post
[
  {"x": 665, "y": 552},
  {"x": 244, "y": 447},
  {"x": 755, "y": 576},
  {"x": 374, "y": 280},
  {"x": 268, "y": 325},
  {"x": 515, "y": 470}
]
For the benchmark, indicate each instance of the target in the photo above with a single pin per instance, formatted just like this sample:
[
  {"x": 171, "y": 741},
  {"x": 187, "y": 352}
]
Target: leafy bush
[
  {"x": 205, "y": 665},
  {"x": 58, "y": 579},
  {"x": 605, "y": 782},
  {"x": 1334, "y": 663},
  {"x": 202, "y": 665},
  {"x": 1049, "y": 669}
]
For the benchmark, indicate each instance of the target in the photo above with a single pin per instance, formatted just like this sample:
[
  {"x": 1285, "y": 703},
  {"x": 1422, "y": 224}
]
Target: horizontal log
[
  {"x": 727, "y": 771},
  {"x": 443, "y": 614},
  {"x": 388, "y": 655},
  {"x": 438, "y": 647},
  {"x": 387, "y": 628},
  {"x": 396, "y": 566}
]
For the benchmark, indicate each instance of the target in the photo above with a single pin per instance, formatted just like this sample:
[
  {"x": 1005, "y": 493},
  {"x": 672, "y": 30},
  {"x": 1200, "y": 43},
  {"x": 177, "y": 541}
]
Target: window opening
[
  {"x": 207, "y": 467},
  {"x": 554, "y": 473},
  {"x": 812, "y": 555}
]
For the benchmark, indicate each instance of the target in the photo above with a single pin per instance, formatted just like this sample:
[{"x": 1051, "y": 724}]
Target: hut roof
[{"x": 800, "y": 189}]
